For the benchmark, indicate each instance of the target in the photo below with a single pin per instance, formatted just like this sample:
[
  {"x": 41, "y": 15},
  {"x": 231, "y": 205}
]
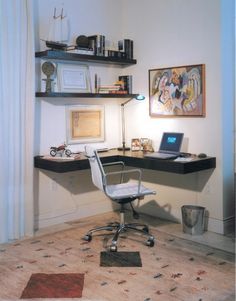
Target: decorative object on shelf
[
  {"x": 58, "y": 30},
  {"x": 56, "y": 45},
  {"x": 138, "y": 97},
  {"x": 48, "y": 69},
  {"x": 81, "y": 47},
  {"x": 135, "y": 144},
  {"x": 177, "y": 91},
  {"x": 82, "y": 41},
  {"x": 60, "y": 150},
  {"x": 85, "y": 124},
  {"x": 73, "y": 78}
]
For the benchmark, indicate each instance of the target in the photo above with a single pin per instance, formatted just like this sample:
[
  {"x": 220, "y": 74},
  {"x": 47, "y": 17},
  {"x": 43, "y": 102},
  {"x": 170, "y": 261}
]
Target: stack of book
[
  {"x": 80, "y": 50},
  {"x": 122, "y": 86},
  {"x": 110, "y": 89}
]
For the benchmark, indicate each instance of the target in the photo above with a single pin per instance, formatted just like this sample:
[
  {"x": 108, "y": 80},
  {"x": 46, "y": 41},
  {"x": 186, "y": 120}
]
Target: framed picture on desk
[
  {"x": 177, "y": 91},
  {"x": 135, "y": 144},
  {"x": 85, "y": 124}
]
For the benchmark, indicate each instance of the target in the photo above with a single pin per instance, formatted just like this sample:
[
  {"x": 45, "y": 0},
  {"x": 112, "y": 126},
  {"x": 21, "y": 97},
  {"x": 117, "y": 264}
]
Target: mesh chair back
[{"x": 97, "y": 171}]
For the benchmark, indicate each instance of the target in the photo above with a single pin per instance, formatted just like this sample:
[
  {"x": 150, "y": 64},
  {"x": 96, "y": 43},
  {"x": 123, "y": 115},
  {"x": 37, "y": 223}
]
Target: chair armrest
[
  {"x": 114, "y": 163},
  {"x": 134, "y": 170},
  {"x": 127, "y": 172},
  {"x": 117, "y": 163}
]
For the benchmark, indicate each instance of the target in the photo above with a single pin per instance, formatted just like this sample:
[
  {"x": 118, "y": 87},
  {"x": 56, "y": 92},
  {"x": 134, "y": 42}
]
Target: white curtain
[{"x": 16, "y": 118}]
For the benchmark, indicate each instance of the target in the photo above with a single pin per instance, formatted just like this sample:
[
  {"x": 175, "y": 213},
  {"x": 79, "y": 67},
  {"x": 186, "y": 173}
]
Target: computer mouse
[{"x": 202, "y": 155}]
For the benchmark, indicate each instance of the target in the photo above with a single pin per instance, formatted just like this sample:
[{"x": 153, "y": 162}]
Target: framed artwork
[
  {"x": 177, "y": 91},
  {"x": 73, "y": 78},
  {"x": 85, "y": 124}
]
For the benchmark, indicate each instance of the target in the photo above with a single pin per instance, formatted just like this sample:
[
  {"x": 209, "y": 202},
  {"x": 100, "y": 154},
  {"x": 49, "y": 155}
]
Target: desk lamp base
[{"x": 123, "y": 148}]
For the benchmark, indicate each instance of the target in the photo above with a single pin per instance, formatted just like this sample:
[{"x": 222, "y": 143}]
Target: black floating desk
[{"x": 135, "y": 159}]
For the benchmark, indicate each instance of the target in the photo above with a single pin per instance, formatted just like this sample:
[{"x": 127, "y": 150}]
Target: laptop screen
[{"x": 171, "y": 142}]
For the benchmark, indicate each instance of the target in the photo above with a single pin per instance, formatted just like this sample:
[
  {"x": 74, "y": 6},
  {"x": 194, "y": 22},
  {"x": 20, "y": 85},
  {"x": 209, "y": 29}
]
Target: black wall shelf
[
  {"x": 68, "y": 56},
  {"x": 84, "y": 95}
]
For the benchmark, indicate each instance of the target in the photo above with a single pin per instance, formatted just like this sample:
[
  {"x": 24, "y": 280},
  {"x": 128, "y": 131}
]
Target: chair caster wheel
[
  {"x": 88, "y": 237},
  {"x": 113, "y": 248},
  {"x": 145, "y": 229},
  {"x": 150, "y": 242}
]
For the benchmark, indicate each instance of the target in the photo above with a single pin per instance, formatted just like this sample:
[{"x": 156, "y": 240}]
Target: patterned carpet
[{"x": 174, "y": 269}]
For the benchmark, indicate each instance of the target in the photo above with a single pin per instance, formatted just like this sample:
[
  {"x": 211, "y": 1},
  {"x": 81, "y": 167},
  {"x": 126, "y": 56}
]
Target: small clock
[{"x": 48, "y": 68}]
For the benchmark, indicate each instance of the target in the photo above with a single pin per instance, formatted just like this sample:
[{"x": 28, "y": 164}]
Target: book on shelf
[
  {"x": 114, "y": 88},
  {"x": 119, "y": 92},
  {"x": 97, "y": 43},
  {"x": 126, "y": 46},
  {"x": 110, "y": 87},
  {"x": 127, "y": 82},
  {"x": 80, "y": 50},
  {"x": 116, "y": 54},
  {"x": 107, "y": 89},
  {"x": 112, "y": 92}
]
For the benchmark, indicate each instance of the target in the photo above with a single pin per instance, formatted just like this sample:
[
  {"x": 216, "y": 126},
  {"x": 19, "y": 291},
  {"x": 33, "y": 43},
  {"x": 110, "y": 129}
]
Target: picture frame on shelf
[
  {"x": 85, "y": 124},
  {"x": 73, "y": 78},
  {"x": 177, "y": 91}
]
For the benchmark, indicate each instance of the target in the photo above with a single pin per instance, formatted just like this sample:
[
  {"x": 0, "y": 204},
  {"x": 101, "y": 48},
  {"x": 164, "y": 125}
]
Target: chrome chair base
[{"x": 118, "y": 228}]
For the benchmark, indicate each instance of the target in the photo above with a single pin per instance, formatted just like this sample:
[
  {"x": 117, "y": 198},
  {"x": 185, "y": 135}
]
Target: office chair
[{"x": 121, "y": 193}]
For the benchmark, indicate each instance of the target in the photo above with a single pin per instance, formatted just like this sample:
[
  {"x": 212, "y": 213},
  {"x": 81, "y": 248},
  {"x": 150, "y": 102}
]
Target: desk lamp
[{"x": 138, "y": 97}]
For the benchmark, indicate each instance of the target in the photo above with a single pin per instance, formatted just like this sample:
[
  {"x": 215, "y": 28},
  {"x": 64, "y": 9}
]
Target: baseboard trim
[
  {"x": 224, "y": 227},
  {"x": 60, "y": 217}
]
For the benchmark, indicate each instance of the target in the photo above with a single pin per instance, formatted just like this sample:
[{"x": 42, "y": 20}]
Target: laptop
[{"x": 169, "y": 147}]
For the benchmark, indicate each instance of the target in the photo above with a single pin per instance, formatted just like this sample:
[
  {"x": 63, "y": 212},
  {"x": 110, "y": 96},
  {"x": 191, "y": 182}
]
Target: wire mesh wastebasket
[{"x": 193, "y": 219}]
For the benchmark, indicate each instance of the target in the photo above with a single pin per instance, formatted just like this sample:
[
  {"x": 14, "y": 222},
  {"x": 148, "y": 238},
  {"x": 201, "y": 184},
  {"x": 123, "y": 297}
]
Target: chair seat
[{"x": 127, "y": 190}]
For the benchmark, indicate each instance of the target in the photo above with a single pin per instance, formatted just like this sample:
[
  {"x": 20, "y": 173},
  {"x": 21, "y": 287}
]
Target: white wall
[
  {"x": 166, "y": 33},
  {"x": 56, "y": 199},
  {"x": 175, "y": 33}
]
